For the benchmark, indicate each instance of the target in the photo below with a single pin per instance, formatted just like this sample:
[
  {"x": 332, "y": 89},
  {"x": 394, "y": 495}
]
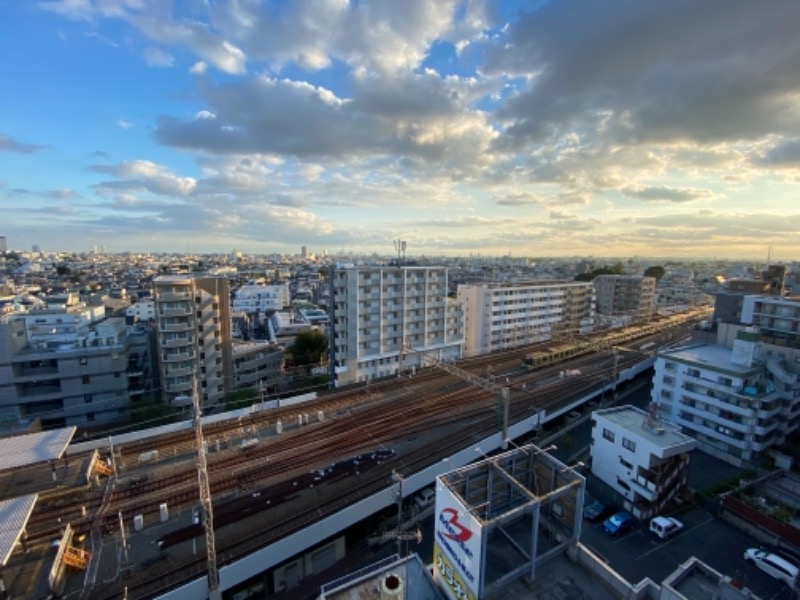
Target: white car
[
  {"x": 772, "y": 564},
  {"x": 665, "y": 527}
]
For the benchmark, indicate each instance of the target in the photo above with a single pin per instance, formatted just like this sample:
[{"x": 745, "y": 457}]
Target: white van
[
  {"x": 772, "y": 564},
  {"x": 665, "y": 527},
  {"x": 425, "y": 498}
]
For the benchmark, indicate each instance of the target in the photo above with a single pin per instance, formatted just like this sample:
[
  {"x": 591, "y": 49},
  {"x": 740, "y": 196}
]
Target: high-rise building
[
  {"x": 261, "y": 298},
  {"x": 385, "y": 318},
  {"x": 498, "y": 316},
  {"x": 193, "y": 337},
  {"x": 3, "y": 244},
  {"x": 625, "y": 295}
]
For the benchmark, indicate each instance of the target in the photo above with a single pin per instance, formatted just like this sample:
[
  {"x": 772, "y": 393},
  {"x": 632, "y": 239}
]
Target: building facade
[
  {"x": 63, "y": 369},
  {"x": 643, "y": 458},
  {"x": 774, "y": 316},
  {"x": 385, "y": 318},
  {"x": 257, "y": 366},
  {"x": 193, "y": 337},
  {"x": 261, "y": 298},
  {"x": 736, "y": 402},
  {"x": 625, "y": 295},
  {"x": 502, "y": 316}
]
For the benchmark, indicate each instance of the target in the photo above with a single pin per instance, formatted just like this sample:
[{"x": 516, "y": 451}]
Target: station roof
[
  {"x": 14, "y": 516},
  {"x": 32, "y": 448}
]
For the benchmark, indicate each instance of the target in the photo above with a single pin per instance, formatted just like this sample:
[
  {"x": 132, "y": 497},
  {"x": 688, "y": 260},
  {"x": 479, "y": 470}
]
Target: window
[
  {"x": 609, "y": 435},
  {"x": 625, "y": 463},
  {"x": 86, "y": 380},
  {"x": 90, "y": 416},
  {"x": 117, "y": 374},
  {"x": 628, "y": 445},
  {"x": 87, "y": 398},
  {"x": 83, "y": 360}
]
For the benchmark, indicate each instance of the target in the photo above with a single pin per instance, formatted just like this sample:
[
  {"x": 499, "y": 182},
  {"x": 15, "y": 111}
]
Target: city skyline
[{"x": 531, "y": 129}]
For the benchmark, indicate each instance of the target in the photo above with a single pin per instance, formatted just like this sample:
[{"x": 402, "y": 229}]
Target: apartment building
[
  {"x": 257, "y": 365},
  {"x": 501, "y": 316},
  {"x": 737, "y": 401},
  {"x": 644, "y": 459},
  {"x": 261, "y": 298},
  {"x": 144, "y": 310},
  {"x": 775, "y": 316},
  {"x": 193, "y": 337},
  {"x": 385, "y": 318},
  {"x": 64, "y": 366},
  {"x": 625, "y": 295}
]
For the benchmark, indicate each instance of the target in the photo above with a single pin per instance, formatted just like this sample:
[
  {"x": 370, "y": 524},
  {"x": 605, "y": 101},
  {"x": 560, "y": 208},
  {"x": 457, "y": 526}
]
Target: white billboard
[{"x": 457, "y": 551}]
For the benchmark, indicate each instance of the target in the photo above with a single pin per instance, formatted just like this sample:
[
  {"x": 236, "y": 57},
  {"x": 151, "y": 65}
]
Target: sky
[{"x": 665, "y": 128}]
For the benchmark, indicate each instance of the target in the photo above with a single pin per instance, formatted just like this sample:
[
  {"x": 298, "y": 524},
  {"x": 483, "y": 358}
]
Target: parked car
[
  {"x": 425, "y": 498},
  {"x": 619, "y": 523},
  {"x": 665, "y": 527},
  {"x": 597, "y": 511},
  {"x": 772, "y": 564}
]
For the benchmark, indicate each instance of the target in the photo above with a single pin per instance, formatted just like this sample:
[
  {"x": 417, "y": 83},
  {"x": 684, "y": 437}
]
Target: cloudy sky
[{"x": 570, "y": 127}]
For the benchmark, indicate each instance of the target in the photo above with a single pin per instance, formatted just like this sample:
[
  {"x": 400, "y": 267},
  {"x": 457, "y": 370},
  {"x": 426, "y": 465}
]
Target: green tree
[
  {"x": 63, "y": 270},
  {"x": 309, "y": 347},
  {"x": 240, "y": 398},
  {"x": 656, "y": 271}
]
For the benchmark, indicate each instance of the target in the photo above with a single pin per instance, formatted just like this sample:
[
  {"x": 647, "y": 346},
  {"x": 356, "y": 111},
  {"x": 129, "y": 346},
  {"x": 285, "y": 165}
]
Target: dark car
[
  {"x": 597, "y": 511},
  {"x": 619, "y": 523}
]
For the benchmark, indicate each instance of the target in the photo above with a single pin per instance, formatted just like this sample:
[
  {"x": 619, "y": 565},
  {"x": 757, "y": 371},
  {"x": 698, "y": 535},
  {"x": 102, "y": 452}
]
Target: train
[{"x": 594, "y": 341}]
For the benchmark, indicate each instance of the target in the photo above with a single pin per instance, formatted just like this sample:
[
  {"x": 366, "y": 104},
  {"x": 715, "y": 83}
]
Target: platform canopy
[
  {"x": 33, "y": 448},
  {"x": 14, "y": 516}
]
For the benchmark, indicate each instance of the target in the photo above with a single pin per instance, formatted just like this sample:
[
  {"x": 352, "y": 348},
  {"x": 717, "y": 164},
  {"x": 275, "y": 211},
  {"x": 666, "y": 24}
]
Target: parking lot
[{"x": 639, "y": 553}]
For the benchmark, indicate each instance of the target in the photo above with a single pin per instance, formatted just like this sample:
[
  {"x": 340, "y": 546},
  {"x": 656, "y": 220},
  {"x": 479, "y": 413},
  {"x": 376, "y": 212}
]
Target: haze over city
[{"x": 525, "y": 128}]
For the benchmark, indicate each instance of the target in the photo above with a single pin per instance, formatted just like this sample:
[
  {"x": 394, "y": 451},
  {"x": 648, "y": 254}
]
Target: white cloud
[
  {"x": 125, "y": 124},
  {"x": 156, "y": 57},
  {"x": 198, "y": 67}
]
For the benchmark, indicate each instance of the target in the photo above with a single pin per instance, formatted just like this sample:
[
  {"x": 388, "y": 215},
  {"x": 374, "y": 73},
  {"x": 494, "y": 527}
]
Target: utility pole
[{"x": 205, "y": 499}]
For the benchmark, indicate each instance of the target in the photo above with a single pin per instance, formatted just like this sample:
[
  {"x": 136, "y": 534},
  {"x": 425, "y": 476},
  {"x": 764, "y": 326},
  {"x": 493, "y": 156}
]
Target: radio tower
[{"x": 205, "y": 498}]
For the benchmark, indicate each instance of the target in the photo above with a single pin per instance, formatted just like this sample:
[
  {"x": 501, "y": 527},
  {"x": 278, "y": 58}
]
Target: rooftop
[
  {"x": 664, "y": 435},
  {"x": 710, "y": 356}
]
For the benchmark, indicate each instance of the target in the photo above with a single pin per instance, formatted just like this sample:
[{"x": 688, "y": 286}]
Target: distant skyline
[{"x": 564, "y": 128}]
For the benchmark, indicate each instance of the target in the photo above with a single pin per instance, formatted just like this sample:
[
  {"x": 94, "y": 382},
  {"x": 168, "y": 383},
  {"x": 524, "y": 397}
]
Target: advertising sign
[{"x": 458, "y": 542}]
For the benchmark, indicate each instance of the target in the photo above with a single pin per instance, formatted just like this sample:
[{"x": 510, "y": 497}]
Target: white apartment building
[
  {"x": 261, "y": 298},
  {"x": 643, "y": 458},
  {"x": 142, "y": 311},
  {"x": 284, "y": 326},
  {"x": 193, "y": 337},
  {"x": 385, "y": 318},
  {"x": 625, "y": 295},
  {"x": 773, "y": 315},
  {"x": 736, "y": 402},
  {"x": 500, "y": 316}
]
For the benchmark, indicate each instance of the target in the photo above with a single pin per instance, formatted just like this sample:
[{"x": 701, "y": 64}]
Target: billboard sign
[{"x": 458, "y": 540}]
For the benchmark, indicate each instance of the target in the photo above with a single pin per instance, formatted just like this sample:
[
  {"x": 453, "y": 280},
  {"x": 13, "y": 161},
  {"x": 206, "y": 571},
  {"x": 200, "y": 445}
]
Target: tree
[
  {"x": 657, "y": 272},
  {"x": 63, "y": 270},
  {"x": 240, "y": 399},
  {"x": 309, "y": 347}
]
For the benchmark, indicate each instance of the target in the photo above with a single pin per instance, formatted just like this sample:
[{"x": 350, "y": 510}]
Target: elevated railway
[{"x": 308, "y": 462}]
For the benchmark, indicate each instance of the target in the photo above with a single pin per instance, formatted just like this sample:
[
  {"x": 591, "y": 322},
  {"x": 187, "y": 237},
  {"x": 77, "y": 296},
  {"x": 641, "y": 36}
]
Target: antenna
[{"x": 400, "y": 246}]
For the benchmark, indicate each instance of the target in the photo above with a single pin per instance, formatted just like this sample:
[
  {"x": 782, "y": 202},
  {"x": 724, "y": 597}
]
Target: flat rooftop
[
  {"x": 709, "y": 356},
  {"x": 633, "y": 419}
]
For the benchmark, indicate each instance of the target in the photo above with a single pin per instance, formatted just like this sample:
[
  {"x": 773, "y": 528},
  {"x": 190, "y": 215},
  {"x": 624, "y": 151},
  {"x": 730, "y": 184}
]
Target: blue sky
[{"x": 565, "y": 128}]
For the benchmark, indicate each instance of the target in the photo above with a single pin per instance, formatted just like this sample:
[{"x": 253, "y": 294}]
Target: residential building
[
  {"x": 644, "y": 459},
  {"x": 775, "y": 316},
  {"x": 64, "y": 367},
  {"x": 625, "y": 295},
  {"x": 500, "y": 316},
  {"x": 193, "y": 329},
  {"x": 284, "y": 326},
  {"x": 735, "y": 401},
  {"x": 257, "y": 365},
  {"x": 261, "y": 298},
  {"x": 144, "y": 310},
  {"x": 385, "y": 318}
]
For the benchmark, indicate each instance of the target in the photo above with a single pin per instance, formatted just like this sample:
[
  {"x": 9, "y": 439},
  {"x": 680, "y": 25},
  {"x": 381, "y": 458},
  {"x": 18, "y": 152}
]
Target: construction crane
[{"x": 214, "y": 592}]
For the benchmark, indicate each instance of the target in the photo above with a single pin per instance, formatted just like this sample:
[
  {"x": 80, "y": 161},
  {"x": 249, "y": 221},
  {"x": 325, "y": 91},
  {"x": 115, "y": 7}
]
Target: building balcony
[
  {"x": 175, "y": 327},
  {"x": 182, "y": 372},
  {"x": 34, "y": 374},
  {"x": 179, "y": 342},
  {"x": 173, "y": 296},
  {"x": 183, "y": 311},
  {"x": 178, "y": 388},
  {"x": 178, "y": 357}
]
